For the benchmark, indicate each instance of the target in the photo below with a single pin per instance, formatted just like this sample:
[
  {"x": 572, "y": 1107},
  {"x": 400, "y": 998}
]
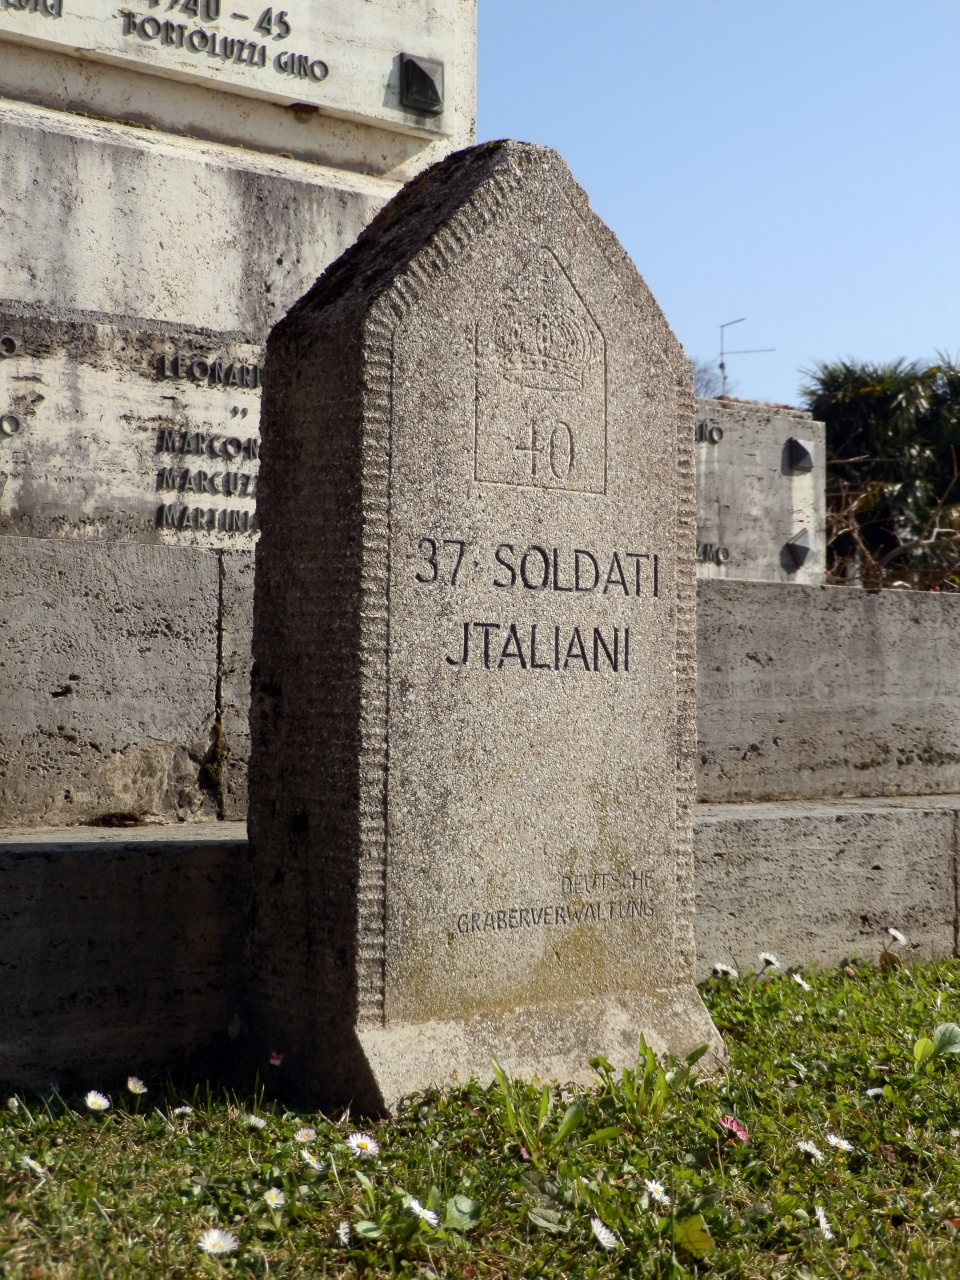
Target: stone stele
[{"x": 474, "y": 650}]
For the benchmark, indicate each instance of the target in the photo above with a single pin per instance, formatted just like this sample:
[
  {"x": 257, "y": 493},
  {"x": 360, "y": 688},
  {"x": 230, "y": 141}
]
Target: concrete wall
[
  {"x": 132, "y": 224},
  {"x": 819, "y": 882},
  {"x": 755, "y": 497},
  {"x": 110, "y": 690},
  {"x": 813, "y": 692},
  {"x": 122, "y": 951},
  {"x": 230, "y": 104},
  {"x": 156, "y": 207}
]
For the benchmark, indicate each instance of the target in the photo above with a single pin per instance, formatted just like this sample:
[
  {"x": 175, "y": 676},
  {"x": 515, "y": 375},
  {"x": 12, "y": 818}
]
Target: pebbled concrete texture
[
  {"x": 108, "y": 669},
  {"x": 122, "y": 950},
  {"x": 821, "y": 882},
  {"x": 816, "y": 692}
]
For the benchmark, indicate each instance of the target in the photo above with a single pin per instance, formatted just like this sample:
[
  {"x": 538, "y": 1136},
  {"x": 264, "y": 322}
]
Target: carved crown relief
[{"x": 541, "y": 386}]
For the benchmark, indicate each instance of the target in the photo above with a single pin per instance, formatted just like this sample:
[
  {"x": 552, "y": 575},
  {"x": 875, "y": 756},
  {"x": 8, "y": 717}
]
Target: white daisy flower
[
  {"x": 416, "y": 1208},
  {"x": 810, "y": 1150},
  {"x": 876, "y": 1092},
  {"x": 657, "y": 1190},
  {"x": 306, "y": 1135},
  {"x": 182, "y": 1111},
  {"x": 361, "y": 1144},
  {"x": 801, "y": 982},
  {"x": 312, "y": 1160},
  {"x": 840, "y": 1143},
  {"x": 13, "y": 1104},
  {"x": 605, "y": 1237},
  {"x": 136, "y": 1085},
  {"x": 274, "y": 1198},
  {"x": 343, "y": 1234},
  {"x": 724, "y": 971},
  {"x": 34, "y": 1166},
  {"x": 253, "y": 1122},
  {"x": 822, "y": 1222},
  {"x": 768, "y": 960},
  {"x": 217, "y": 1242},
  {"x": 897, "y": 936},
  {"x": 97, "y": 1102}
]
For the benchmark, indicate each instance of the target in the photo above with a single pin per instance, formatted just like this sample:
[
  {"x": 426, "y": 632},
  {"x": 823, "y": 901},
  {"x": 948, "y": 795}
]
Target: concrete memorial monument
[
  {"x": 175, "y": 176},
  {"x": 473, "y": 693}
]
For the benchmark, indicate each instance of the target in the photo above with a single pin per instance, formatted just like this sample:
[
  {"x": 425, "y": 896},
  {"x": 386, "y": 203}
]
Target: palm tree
[{"x": 893, "y": 484}]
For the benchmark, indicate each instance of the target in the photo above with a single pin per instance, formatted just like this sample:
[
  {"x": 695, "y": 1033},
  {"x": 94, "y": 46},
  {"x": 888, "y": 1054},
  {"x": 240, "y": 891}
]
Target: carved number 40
[{"x": 430, "y": 550}]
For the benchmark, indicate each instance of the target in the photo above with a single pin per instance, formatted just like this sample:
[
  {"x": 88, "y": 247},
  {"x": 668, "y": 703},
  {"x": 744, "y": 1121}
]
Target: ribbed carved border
[
  {"x": 386, "y": 315},
  {"x": 685, "y": 938}
]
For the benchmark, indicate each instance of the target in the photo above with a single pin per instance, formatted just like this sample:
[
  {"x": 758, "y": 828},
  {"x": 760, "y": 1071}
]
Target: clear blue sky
[{"x": 797, "y": 164}]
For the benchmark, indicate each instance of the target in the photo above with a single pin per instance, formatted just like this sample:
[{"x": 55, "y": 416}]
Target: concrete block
[
  {"x": 236, "y": 661},
  {"x": 128, "y": 224},
  {"x": 761, "y": 493},
  {"x": 122, "y": 950},
  {"x": 108, "y": 671},
  {"x": 382, "y": 137},
  {"x": 816, "y": 692},
  {"x": 817, "y": 883}
]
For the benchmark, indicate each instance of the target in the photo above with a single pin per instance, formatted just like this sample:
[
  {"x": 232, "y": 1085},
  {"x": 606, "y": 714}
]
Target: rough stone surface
[
  {"x": 108, "y": 669},
  {"x": 813, "y": 692},
  {"x": 818, "y": 882},
  {"x": 236, "y": 628},
  {"x": 756, "y": 496},
  {"x": 461, "y": 828},
  {"x": 122, "y": 950}
]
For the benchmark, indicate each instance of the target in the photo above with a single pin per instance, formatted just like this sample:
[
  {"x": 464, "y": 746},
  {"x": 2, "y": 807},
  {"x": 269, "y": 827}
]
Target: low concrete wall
[
  {"x": 109, "y": 683},
  {"x": 817, "y": 692},
  {"x": 817, "y": 883},
  {"x": 803, "y": 692},
  {"x": 121, "y": 951},
  {"x": 109, "y": 673}
]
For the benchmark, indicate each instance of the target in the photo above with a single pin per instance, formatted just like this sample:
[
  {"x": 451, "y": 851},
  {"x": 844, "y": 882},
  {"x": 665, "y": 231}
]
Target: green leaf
[
  {"x": 544, "y": 1107},
  {"x": 923, "y": 1050},
  {"x": 692, "y": 1235},
  {"x": 507, "y": 1091},
  {"x": 463, "y": 1214},
  {"x": 549, "y": 1220},
  {"x": 367, "y": 1230},
  {"x": 784, "y": 1205},
  {"x": 602, "y": 1135},
  {"x": 946, "y": 1039},
  {"x": 697, "y": 1054},
  {"x": 572, "y": 1120}
]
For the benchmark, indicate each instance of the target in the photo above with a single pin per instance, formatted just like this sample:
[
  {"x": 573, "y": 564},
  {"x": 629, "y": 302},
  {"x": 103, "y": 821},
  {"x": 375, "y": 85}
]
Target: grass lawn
[{"x": 851, "y": 1164}]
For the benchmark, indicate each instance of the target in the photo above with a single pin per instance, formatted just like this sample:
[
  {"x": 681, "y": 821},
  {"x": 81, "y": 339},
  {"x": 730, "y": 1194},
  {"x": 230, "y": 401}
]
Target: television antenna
[{"x": 745, "y": 351}]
